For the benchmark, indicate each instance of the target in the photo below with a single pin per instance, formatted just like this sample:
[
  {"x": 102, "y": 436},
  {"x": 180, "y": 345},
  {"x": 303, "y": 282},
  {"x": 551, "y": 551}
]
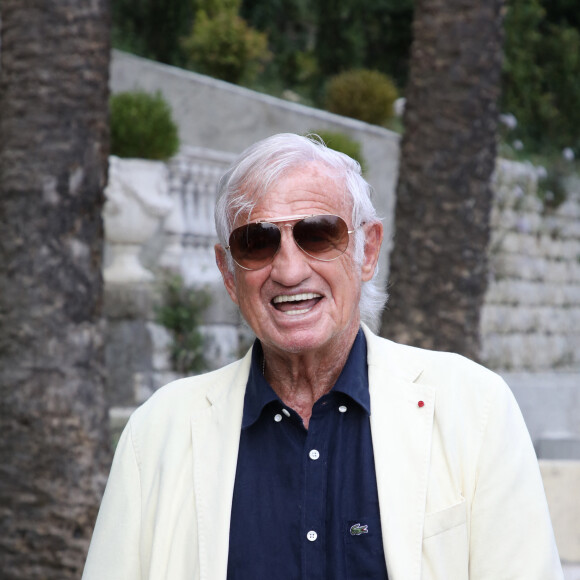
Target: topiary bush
[
  {"x": 225, "y": 47},
  {"x": 366, "y": 95},
  {"x": 142, "y": 126},
  {"x": 345, "y": 144}
]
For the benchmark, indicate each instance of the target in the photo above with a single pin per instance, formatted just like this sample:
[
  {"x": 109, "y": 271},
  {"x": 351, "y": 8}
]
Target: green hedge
[
  {"x": 366, "y": 95},
  {"x": 142, "y": 126}
]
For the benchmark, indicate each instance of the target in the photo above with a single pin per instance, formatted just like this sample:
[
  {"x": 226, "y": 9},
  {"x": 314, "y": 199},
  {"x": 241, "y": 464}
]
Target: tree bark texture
[
  {"x": 53, "y": 168},
  {"x": 438, "y": 264}
]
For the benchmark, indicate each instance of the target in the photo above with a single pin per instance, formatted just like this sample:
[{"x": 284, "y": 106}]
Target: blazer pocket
[
  {"x": 445, "y": 519},
  {"x": 445, "y": 544}
]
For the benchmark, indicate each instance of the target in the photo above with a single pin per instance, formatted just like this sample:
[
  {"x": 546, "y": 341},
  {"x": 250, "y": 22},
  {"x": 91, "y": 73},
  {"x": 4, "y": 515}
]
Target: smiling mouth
[{"x": 296, "y": 303}]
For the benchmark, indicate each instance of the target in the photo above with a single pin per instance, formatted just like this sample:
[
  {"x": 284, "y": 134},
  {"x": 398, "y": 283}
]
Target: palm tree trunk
[
  {"x": 439, "y": 264},
  {"x": 53, "y": 167}
]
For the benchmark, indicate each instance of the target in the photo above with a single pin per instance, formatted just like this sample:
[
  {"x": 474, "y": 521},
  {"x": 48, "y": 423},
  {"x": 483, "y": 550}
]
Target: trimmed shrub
[
  {"x": 142, "y": 126},
  {"x": 366, "y": 95},
  {"x": 345, "y": 144},
  {"x": 225, "y": 47}
]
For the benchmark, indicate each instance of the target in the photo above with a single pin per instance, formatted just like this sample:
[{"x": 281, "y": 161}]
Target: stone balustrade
[{"x": 189, "y": 232}]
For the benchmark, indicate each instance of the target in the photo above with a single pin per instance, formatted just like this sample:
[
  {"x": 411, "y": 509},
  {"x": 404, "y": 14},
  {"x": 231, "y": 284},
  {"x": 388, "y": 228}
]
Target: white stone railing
[
  {"x": 189, "y": 229},
  {"x": 173, "y": 224}
]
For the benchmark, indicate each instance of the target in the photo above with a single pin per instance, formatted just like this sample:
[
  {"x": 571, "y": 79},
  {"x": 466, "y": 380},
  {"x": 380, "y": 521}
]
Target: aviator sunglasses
[{"x": 322, "y": 237}]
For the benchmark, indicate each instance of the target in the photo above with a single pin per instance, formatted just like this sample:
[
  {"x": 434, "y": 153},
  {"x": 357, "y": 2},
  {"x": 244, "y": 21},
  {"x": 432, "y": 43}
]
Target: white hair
[{"x": 263, "y": 164}]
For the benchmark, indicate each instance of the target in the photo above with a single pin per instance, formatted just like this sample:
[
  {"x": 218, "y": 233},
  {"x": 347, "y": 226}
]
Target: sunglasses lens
[
  {"x": 324, "y": 237},
  {"x": 253, "y": 246}
]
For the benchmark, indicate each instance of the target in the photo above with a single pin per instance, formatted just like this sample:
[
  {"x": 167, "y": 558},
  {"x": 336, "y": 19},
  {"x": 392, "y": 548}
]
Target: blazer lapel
[
  {"x": 401, "y": 425},
  {"x": 215, "y": 441}
]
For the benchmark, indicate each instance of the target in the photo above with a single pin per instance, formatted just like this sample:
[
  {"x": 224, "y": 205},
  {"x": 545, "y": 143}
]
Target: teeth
[
  {"x": 294, "y": 312},
  {"x": 295, "y": 298}
]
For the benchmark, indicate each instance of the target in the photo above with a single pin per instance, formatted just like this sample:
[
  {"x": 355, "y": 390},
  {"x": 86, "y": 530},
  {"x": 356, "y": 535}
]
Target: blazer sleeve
[
  {"x": 511, "y": 532},
  {"x": 114, "y": 549}
]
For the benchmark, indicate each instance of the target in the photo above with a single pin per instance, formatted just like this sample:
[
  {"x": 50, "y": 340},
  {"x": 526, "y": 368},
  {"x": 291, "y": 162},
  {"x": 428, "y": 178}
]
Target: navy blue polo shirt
[{"x": 305, "y": 502}]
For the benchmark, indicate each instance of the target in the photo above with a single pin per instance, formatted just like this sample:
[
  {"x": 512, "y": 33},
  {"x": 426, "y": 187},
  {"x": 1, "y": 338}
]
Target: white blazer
[{"x": 459, "y": 487}]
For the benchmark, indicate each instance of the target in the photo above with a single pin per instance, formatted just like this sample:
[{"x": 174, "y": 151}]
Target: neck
[{"x": 301, "y": 379}]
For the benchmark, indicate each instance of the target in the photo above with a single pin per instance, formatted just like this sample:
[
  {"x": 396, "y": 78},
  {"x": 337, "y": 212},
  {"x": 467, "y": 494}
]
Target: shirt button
[
  {"x": 286, "y": 412},
  {"x": 278, "y": 418},
  {"x": 342, "y": 409},
  {"x": 312, "y": 535},
  {"x": 314, "y": 454}
]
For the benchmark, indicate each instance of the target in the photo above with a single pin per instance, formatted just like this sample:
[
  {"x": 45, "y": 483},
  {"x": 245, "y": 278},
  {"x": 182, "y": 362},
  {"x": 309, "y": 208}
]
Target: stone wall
[
  {"x": 530, "y": 325},
  {"x": 531, "y": 317}
]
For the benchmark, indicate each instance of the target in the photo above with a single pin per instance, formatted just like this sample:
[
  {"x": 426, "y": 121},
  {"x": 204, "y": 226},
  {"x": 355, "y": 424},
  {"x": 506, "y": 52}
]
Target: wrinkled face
[{"x": 297, "y": 303}]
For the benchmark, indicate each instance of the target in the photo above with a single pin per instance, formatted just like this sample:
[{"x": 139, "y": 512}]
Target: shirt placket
[{"x": 315, "y": 472}]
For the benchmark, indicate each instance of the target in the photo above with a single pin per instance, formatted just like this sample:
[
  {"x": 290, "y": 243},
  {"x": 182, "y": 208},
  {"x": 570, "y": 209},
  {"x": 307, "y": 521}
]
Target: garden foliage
[
  {"x": 301, "y": 44},
  {"x": 152, "y": 28},
  {"x": 182, "y": 314},
  {"x": 142, "y": 126},
  {"x": 541, "y": 80},
  {"x": 222, "y": 45},
  {"x": 366, "y": 95}
]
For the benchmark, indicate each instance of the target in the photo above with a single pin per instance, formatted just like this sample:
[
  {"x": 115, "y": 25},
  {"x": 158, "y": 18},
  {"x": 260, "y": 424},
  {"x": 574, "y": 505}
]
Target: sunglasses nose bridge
[{"x": 289, "y": 235}]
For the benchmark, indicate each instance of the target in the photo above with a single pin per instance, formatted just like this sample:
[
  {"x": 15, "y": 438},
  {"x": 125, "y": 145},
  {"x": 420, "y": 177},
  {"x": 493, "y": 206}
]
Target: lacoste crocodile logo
[{"x": 357, "y": 530}]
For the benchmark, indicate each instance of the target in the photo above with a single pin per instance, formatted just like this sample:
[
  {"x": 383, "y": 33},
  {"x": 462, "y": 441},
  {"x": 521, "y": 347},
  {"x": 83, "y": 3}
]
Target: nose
[{"x": 290, "y": 265}]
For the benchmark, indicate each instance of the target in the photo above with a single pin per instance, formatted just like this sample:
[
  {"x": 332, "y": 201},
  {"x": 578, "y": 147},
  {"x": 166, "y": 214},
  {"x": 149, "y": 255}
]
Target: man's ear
[
  {"x": 227, "y": 276},
  {"x": 373, "y": 241}
]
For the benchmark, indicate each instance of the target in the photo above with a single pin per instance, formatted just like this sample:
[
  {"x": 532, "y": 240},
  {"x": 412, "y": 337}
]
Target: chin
[{"x": 300, "y": 341}]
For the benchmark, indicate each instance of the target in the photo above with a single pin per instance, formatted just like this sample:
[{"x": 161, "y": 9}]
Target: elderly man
[{"x": 327, "y": 452}]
